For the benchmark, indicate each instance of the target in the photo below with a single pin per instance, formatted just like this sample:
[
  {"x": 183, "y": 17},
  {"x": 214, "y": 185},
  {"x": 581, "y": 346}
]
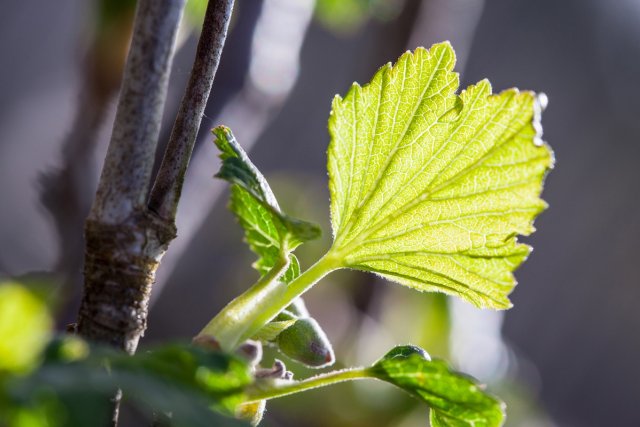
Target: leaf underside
[
  {"x": 455, "y": 400},
  {"x": 429, "y": 188}
]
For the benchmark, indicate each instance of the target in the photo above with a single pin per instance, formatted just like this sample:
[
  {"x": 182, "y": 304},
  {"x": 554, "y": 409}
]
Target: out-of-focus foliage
[
  {"x": 25, "y": 325},
  {"x": 345, "y": 16},
  {"x": 73, "y": 385},
  {"x": 64, "y": 382},
  {"x": 194, "y": 12},
  {"x": 272, "y": 235}
]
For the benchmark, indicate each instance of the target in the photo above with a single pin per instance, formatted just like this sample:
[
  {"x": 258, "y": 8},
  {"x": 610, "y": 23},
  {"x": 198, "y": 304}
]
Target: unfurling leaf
[
  {"x": 270, "y": 233},
  {"x": 430, "y": 189},
  {"x": 455, "y": 400}
]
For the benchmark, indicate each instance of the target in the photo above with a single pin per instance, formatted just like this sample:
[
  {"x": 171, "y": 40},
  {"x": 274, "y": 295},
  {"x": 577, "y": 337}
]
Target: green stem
[
  {"x": 284, "y": 388},
  {"x": 230, "y": 324},
  {"x": 249, "y": 312}
]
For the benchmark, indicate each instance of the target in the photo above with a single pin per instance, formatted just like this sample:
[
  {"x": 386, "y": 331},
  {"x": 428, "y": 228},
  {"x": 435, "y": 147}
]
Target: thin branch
[
  {"x": 168, "y": 185},
  {"x": 127, "y": 169},
  {"x": 273, "y": 71}
]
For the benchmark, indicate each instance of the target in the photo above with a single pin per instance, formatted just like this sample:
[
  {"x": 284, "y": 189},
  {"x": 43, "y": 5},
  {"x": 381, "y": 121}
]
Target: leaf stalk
[
  {"x": 243, "y": 317},
  {"x": 284, "y": 388}
]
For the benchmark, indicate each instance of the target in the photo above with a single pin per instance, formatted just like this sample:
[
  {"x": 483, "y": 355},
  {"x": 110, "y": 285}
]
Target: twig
[
  {"x": 273, "y": 71},
  {"x": 168, "y": 185}
]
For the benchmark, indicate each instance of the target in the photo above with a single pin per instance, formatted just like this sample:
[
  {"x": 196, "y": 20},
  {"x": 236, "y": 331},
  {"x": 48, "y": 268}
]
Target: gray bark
[{"x": 125, "y": 238}]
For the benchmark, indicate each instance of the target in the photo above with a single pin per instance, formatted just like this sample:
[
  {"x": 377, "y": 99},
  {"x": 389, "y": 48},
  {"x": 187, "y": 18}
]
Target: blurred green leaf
[
  {"x": 25, "y": 326},
  {"x": 184, "y": 381},
  {"x": 430, "y": 189},
  {"x": 347, "y": 16},
  {"x": 194, "y": 12},
  {"x": 455, "y": 399}
]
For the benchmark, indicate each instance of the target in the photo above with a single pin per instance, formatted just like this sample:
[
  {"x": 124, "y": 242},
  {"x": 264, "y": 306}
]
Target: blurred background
[{"x": 565, "y": 355}]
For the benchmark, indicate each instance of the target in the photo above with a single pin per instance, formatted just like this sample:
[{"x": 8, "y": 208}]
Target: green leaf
[
  {"x": 430, "y": 189},
  {"x": 270, "y": 233},
  {"x": 455, "y": 399}
]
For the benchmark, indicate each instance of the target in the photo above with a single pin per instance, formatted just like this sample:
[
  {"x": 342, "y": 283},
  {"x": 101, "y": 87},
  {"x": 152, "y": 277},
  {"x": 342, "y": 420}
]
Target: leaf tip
[{"x": 225, "y": 141}]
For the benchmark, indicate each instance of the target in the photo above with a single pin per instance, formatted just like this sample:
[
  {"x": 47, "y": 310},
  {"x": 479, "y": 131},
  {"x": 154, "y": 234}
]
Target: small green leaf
[
  {"x": 270, "y": 233},
  {"x": 430, "y": 189},
  {"x": 455, "y": 399}
]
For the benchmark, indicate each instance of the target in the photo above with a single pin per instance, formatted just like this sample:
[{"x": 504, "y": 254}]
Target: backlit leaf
[{"x": 429, "y": 188}]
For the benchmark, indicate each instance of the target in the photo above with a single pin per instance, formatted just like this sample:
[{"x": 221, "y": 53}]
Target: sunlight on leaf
[{"x": 429, "y": 188}]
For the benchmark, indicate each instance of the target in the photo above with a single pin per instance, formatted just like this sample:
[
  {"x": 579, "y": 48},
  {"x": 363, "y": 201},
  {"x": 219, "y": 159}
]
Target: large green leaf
[
  {"x": 429, "y": 188},
  {"x": 270, "y": 233},
  {"x": 455, "y": 399}
]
